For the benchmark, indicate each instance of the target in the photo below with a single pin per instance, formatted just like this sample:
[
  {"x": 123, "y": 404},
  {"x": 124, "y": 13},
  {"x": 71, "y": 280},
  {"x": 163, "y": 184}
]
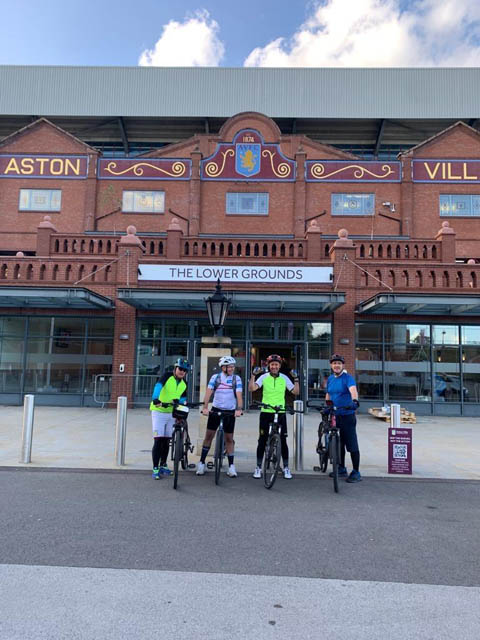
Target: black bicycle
[
  {"x": 181, "y": 445},
  {"x": 328, "y": 446},
  {"x": 219, "y": 454},
  {"x": 273, "y": 448}
]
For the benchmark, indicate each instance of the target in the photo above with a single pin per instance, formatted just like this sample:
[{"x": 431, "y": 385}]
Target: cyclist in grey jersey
[{"x": 227, "y": 391}]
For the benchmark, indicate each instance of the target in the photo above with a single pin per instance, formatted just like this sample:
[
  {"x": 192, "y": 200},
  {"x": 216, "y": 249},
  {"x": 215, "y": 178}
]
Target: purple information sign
[{"x": 400, "y": 451}]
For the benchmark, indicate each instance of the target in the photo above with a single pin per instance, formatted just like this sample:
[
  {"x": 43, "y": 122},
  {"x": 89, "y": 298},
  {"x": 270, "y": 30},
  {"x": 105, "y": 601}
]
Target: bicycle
[
  {"x": 328, "y": 447},
  {"x": 181, "y": 445},
  {"x": 273, "y": 448},
  {"x": 219, "y": 454}
]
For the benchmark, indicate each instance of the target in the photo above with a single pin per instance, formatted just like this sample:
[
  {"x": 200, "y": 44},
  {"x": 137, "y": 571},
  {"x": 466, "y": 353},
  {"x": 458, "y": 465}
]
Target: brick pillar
[
  {"x": 174, "y": 240},
  {"x": 406, "y": 200},
  {"x": 130, "y": 250},
  {"x": 314, "y": 242},
  {"x": 447, "y": 236},
  {"x": 300, "y": 195},
  {"x": 90, "y": 205},
  {"x": 44, "y": 233},
  {"x": 195, "y": 193},
  {"x": 342, "y": 255}
]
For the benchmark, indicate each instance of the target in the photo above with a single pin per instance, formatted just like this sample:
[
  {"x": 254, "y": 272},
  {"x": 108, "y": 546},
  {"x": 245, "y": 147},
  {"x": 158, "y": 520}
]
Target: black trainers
[
  {"x": 354, "y": 476},
  {"x": 342, "y": 472}
]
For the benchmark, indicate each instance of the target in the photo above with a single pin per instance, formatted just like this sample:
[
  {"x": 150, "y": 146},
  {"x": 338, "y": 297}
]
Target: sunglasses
[{"x": 182, "y": 369}]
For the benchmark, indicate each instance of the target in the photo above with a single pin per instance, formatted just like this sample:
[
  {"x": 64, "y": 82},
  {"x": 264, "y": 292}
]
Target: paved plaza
[{"x": 443, "y": 447}]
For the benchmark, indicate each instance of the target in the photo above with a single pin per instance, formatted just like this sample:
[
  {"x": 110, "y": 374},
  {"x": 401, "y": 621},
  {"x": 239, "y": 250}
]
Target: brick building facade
[{"x": 105, "y": 263}]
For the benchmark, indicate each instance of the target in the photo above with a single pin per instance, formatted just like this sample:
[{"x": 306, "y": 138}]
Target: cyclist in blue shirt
[{"x": 342, "y": 392}]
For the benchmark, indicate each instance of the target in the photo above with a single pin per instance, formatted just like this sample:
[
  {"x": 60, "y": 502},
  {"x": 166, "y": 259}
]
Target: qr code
[{"x": 400, "y": 451}]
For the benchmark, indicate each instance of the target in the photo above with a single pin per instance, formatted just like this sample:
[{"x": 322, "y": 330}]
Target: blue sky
[{"x": 238, "y": 33}]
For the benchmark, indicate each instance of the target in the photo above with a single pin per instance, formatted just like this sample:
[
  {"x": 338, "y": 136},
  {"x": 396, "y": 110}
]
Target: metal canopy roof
[
  {"x": 53, "y": 298},
  {"x": 256, "y": 301},
  {"x": 141, "y": 108},
  {"x": 421, "y": 304}
]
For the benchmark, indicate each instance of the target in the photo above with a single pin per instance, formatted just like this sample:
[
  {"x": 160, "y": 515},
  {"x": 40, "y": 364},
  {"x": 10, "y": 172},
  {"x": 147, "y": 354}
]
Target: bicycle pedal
[
  {"x": 209, "y": 465},
  {"x": 192, "y": 465}
]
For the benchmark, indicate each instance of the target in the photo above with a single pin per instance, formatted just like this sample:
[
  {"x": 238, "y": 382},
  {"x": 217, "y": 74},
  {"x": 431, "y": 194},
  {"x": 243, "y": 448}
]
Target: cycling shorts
[
  {"x": 214, "y": 422},
  {"x": 162, "y": 424}
]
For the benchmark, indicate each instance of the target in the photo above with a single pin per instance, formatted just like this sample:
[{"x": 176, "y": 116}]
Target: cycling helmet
[
  {"x": 182, "y": 364},
  {"x": 337, "y": 357},
  {"x": 226, "y": 360},
  {"x": 274, "y": 358}
]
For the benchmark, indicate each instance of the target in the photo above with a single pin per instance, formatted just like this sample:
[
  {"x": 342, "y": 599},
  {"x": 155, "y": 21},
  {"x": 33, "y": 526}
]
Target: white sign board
[{"x": 237, "y": 273}]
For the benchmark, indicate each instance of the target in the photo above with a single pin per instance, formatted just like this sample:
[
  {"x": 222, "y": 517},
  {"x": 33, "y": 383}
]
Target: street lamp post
[{"x": 217, "y": 307}]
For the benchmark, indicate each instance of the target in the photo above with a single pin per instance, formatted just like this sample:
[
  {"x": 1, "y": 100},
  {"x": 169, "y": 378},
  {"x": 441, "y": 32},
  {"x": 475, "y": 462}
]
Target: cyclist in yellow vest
[
  {"x": 274, "y": 386},
  {"x": 171, "y": 386}
]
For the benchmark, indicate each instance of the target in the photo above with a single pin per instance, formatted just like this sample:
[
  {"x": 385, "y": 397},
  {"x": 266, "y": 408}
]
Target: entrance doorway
[{"x": 292, "y": 358}]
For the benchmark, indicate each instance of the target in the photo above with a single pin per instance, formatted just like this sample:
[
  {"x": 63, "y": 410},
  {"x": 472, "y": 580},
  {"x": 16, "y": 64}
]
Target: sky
[{"x": 251, "y": 33}]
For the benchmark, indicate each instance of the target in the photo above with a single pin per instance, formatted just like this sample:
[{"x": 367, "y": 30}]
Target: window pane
[
  {"x": 54, "y": 366},
  {"x": 459, "y": 205},
  {"x": 350, "y": 204},
  {"x": 407, "y": 373},
  {"x": 291, "y": 331},
  {"x": 319, "y": 331},
  {"x": 40, "y": 200},
  {"x": 151, "y": 329},
  {"x": 247, "y": 203},
  {"x": 173, "y": 351},
  {"x": 368, "y": 332},
  {"x": 61, "y": 327},
  {"x": 471, "y": 374},
  {"x": 446, "y": 374},
  {"x": 445, "y": 334},
  {"x": 177, "y": 329},
  {"x": 263, "y": 331},
  {"x": 12, "y": 326},
  {"x": 101, "y": 327},
  {"x": 318, "y": 369},
  {"x": 143, "y": 201},
  {"x": 408, "y": 333},
  {"x": 471, "y": 334},
  {"x": 11, "y": 364},
  {"x": 235, "y": 329}
]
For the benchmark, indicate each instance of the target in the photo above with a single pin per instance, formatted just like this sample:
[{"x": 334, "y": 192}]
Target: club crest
[{"x": 247, "y": 159}]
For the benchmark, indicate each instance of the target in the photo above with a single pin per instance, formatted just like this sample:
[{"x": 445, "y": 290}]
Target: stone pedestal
[{"x": 213, "y": 348}]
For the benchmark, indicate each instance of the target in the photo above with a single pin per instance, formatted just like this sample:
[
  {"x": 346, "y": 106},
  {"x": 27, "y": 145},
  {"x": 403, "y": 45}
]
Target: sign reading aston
[
  {"x": 237, "y": 273},
  {"x": 41, "y": 166}
]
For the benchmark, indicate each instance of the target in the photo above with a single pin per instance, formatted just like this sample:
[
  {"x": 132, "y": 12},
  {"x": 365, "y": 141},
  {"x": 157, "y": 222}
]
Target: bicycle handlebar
[
  {"x": 277, "y": 409},
  {"x": 175, "y": 403},
  {"x": 325, "y": 407}
]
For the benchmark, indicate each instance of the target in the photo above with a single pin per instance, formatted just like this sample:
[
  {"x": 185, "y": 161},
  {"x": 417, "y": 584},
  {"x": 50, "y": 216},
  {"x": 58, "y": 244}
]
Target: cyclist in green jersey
[
  {"x": 274, "y": 386},
  {"x": 171, "y": 386}
]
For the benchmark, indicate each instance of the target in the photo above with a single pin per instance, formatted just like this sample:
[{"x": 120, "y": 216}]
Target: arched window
[
  {"x": 405, "y": 278},
  {"x": 398, "y": 252},
  {"x": 433, "y": 279},
  {"x": 274, "y": 250},
  {"x": 57, "y": 245},
  {"x": 434, "y": 252},
  {"x": 186, "y": 248},
  {"x": 42, "y": 272},
  {"x": 389, "y": 251},
  {"x": 65, "y": 246},
  {"x": 407, "y": 251},
  {"x": 29, "y": 271},
  {"x": 212, "y": 249},
  {"x": 391, "y": 277},
  {"x": 362, "y": 251},
  {"x": 446, "y": 279},
  {"x": 282, "y": 250},
  {"x": 204, "y": 249},
  {"x": 256, "y": 251},
  {"x": 55, "y": 272},
  {"x": 327, "y": 250},
  {"x": 195, "y": 248},
  {"x": 380, "y": 251},
  {"x": 68, "y": 272},
  {"x": 415, "y": 251},
  {"x": 419, "y": 279},
  {"x": 265, "y": 250},
  {"x": 459, "y": 280},
  {"x": 300, "y": 250}
]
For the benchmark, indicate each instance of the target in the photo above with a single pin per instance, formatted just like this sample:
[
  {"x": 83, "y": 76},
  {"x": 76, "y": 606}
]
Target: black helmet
[
  {"x": 337, "y": 357},
  {"x": 274, "y": 358}
]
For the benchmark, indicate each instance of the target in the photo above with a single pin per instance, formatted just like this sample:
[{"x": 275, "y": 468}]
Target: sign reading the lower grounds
[
  {"x": 237, "y": 273},
  {"x": 400, "y": 451}
]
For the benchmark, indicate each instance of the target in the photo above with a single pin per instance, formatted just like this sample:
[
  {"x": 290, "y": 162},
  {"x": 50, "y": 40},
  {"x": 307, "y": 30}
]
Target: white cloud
[
  {"x": 191, "y": 43},
  {"x": 378, "y": 33}
]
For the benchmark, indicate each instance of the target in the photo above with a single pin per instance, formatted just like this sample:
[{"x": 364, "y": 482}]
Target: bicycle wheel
[
  {"x": 219, "y": 447},
  {"x": 271, "y": 461},
  {"x": 334, "y": 458},
  {"x": 186, "y": 448},
  {"x": 322, "y": 450},
  {"x": 178, "y": 454}
]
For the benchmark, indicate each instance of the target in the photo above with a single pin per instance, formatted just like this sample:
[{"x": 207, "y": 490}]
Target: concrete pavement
[{"x": 443, "y": 447}]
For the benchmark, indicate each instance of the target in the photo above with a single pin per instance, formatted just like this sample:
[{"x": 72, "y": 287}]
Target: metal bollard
[
  {"x": 121, "y": 430},
  {"x": 395, "y": 421},
  {"x": 298, "y": 434},
  {"x": 27, "y": 431}
]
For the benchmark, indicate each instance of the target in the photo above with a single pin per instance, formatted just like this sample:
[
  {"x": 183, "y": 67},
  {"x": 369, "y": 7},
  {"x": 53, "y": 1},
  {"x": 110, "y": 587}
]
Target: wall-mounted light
[
  {"x": 390, "y": 205},
  {"x": 344, "y": 341},
  {"x": 124, "y": 336}
]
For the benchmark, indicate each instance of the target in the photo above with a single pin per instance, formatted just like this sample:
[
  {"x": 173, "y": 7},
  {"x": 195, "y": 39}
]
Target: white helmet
[{"x": 226, "y": 360}]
